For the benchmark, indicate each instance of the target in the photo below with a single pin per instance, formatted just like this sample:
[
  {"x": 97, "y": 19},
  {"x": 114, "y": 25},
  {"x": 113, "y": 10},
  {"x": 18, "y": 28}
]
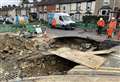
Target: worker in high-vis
[
  {"x": 22, "y": 21},
  {"x": 101, "y": 25},
  {"x": 112, "y": 27},
  {"x": 17, "y": 21},
  {"x": 54, "y": 23}
]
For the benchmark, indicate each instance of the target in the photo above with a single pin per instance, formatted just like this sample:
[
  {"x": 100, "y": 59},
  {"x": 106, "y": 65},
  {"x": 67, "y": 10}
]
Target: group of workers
[
  {"x": 111, "y": 27},
  {"x": 21, "y": 20}
]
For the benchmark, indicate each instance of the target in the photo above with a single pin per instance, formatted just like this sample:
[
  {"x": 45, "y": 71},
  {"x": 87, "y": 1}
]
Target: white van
[{"x": 62, "y": 19}]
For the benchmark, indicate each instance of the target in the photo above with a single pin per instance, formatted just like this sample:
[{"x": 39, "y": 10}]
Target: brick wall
[{"x": 51, "y": 8}]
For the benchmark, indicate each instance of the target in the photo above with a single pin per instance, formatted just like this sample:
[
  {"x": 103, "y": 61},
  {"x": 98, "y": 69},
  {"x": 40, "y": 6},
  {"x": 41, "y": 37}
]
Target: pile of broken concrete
[
  {"x": 11, "y": 46},
  {"x": 21, "y": 57}
]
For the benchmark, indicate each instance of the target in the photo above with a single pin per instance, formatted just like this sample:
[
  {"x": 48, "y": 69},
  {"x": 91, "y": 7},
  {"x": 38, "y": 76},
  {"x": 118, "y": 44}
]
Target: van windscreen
[{"x": 67, "y": 18}]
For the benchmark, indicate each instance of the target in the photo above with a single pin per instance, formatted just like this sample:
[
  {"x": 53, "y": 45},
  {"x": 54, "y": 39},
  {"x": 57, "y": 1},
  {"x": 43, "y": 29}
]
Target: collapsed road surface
[
  {"x": 24, "y": 58},
  {"x": 20, "y": 57}
]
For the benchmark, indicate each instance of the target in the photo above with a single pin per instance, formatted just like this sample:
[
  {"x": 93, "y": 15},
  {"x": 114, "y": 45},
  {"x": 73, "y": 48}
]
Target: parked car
[{"x": 9, "y": 20}]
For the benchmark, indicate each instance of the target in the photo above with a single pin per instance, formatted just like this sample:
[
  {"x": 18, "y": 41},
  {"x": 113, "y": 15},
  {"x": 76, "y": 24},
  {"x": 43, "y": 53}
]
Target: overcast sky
[{"x": 9, "y": 2}]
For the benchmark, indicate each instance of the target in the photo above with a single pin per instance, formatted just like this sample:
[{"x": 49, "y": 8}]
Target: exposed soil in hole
[
  {"x": 46, "y": 65},
  {"x": 75, "y": 43},
  {"x": 21, "y": 57},
  {"x": 83, "y": 44}
]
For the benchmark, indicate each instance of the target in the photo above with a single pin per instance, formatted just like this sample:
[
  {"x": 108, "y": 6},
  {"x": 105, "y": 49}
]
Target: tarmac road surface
[{"x": 54, "y": 33}]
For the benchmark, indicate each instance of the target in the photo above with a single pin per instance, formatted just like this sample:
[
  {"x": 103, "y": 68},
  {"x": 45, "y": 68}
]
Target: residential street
[{"x": 59, "y": 40}]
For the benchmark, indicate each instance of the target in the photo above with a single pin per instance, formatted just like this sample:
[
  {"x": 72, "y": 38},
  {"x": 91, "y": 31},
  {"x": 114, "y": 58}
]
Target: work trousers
[{"x": 100, "y": 30}]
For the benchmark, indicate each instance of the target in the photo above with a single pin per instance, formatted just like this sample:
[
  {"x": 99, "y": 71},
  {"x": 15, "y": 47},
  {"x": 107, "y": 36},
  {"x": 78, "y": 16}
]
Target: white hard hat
[
  {"x": 101, "y": 18},
  {"x": 113, "y": 18}
]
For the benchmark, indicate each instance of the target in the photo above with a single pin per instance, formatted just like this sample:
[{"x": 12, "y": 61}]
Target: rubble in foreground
[{"x": 21, "y": 57}]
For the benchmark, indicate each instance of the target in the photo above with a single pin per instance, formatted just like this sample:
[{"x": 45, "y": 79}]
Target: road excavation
[{"x": 31, "y": 57}]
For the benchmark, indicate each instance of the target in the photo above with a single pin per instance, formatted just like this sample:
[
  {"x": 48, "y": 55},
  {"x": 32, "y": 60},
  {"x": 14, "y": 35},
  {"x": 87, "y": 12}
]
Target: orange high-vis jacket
[
  {"x": 101, "y": 23},
  {"x": 54, "y": 23},
  {"x": 109, "y": 32},
  {"x": 112, "y": 25}
]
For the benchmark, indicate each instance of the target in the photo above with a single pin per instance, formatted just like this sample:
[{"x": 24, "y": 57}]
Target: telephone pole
[
  {"x": 113, "y": 8},
  {"x": 114, "y": 3}
]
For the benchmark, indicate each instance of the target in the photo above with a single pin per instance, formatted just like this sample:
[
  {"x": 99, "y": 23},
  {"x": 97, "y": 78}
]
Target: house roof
[{"x": 52, "y": 2}]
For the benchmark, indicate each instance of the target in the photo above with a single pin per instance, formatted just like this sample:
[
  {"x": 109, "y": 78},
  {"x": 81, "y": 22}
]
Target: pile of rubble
[
  {"x": 21, "y": 57},
  {"x": 12, "y": 50},
  {"x": 11, "y": 46}
]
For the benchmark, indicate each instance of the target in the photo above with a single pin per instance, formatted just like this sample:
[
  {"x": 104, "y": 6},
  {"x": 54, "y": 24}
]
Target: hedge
[{"x": 94, "y": 19}]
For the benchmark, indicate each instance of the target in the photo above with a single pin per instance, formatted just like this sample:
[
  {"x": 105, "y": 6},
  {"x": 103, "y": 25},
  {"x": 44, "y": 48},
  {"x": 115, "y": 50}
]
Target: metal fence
[{"x": 7, "y": 28}]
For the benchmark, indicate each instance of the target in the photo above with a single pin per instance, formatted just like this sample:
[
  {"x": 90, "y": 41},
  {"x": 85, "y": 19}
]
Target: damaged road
[
  {"x": 20, "y": 57},
  {"x": 25, "y": 58}
]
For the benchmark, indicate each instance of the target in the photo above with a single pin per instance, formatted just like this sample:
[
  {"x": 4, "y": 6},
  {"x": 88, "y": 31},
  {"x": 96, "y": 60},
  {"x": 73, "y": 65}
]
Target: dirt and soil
[{"x": 21, "y": 57}]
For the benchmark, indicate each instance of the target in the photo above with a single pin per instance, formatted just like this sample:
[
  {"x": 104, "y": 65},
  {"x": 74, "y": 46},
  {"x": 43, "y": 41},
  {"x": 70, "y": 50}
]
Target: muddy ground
[{"x": 20, "y": 57}]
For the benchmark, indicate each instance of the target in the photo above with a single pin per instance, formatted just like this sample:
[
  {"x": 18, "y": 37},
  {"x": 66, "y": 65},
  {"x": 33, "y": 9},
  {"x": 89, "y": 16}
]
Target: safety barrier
[
  {"x": 90, "y": 25},
  {"x": 13, "y": 28},
  {"x": 7, "y": 28}
]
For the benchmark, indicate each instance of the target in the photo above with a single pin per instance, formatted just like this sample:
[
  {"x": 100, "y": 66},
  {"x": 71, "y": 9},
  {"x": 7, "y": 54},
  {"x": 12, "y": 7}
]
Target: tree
[{"x": 24, "y": 1}]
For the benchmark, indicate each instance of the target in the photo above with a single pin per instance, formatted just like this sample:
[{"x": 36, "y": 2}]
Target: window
[
  {"x": 57, "y": 7},
  {"x": 40, "y": 8},
  {"x": 67, "y": 18},
  {"x": 28, "y": 5},
  {"x": 45, "y": 8},
  {"x": 106, "y": 2},
  {"x": 78, "y": 7},
  {"x": 73, "y": 6},
  {"x": 25, "y": 5},
  {"x": 31, "y": 5},
  {"x": 64, "y": 8},
  {"x": 104, "y": 12},
  {"x": 89, "y": 5}
]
